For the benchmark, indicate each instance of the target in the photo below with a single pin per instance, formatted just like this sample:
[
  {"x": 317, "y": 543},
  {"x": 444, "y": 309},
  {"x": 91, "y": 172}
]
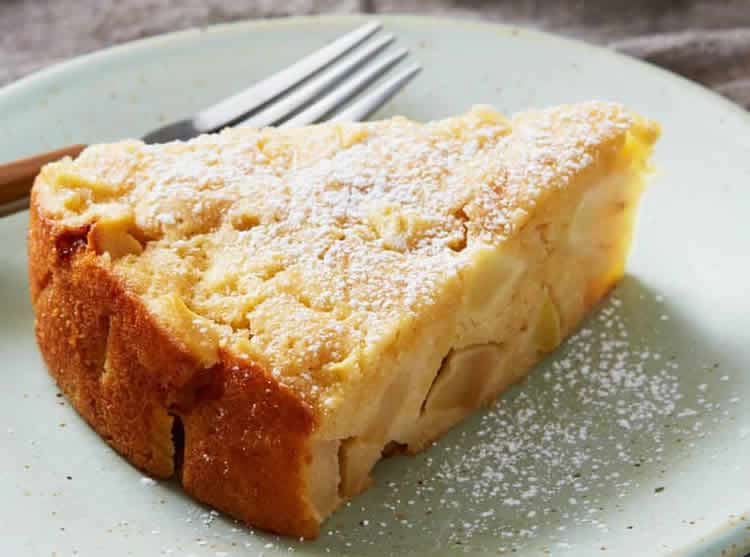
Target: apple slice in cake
[{"x": 274, "y": 309}]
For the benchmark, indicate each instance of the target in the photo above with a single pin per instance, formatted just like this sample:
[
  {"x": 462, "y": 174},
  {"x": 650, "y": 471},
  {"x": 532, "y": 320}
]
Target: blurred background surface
[{"x": 704, "y": 40}]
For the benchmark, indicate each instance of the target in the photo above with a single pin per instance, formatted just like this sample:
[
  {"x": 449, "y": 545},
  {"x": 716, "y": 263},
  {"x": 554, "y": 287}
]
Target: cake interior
[{"x": 524, "y": 298}]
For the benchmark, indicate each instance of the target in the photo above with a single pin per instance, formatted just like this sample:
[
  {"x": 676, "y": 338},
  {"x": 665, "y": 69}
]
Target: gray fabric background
[{"x": 705, "y": 40}]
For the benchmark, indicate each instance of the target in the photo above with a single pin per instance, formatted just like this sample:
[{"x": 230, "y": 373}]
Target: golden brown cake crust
[{"x": 128, "y": 378}]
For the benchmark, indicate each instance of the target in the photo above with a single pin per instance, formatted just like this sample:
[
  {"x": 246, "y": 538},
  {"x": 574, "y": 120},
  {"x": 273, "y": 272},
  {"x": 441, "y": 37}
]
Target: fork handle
[{"x": 17, "y": 177}]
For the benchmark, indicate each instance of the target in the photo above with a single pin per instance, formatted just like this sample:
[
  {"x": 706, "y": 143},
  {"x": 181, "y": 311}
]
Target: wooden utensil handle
[{"x": 17, "y": 177}]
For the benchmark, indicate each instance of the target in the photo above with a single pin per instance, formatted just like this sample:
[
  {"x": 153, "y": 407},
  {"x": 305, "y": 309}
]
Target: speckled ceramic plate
[{"x": 632, "y": 439}]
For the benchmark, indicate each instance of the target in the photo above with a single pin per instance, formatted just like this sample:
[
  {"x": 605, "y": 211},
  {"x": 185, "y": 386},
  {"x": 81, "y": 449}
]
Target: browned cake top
[{"x": 305, "y": 249}]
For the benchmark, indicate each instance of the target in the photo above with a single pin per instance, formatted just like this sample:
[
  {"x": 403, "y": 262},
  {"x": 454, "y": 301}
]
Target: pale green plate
[{"x": 633, "y": 439}]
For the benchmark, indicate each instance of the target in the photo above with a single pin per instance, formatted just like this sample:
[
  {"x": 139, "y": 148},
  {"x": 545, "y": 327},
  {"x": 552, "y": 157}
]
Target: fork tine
[
  {"x": 345, "y": 91},
  {"x": 369, "y": 103},
  {"x": 284, "y": 107},
  {"x": 229, "y": 110}
]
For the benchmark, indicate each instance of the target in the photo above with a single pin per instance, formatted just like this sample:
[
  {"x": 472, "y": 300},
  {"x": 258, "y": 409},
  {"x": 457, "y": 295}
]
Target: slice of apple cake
[{"x": 275, "y": 309}]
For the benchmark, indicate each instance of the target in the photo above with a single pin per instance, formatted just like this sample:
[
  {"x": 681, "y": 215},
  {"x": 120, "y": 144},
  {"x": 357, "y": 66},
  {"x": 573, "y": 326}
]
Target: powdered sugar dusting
[
  {"x": 554, "y": 461},
  {"x": 553, "y": 458},
  {"x": 333, "y": 235}
]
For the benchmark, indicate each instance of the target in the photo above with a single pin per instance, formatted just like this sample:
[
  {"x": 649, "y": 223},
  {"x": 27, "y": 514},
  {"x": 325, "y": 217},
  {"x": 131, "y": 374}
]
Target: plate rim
[{"x": 38, "y": 77}]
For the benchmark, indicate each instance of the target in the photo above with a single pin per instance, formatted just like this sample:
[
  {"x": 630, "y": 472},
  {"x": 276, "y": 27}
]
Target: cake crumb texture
[{"x": 298, "y": 248}]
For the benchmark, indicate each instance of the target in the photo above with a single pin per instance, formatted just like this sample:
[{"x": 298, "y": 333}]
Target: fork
[{"x": 314, "y": 89}]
